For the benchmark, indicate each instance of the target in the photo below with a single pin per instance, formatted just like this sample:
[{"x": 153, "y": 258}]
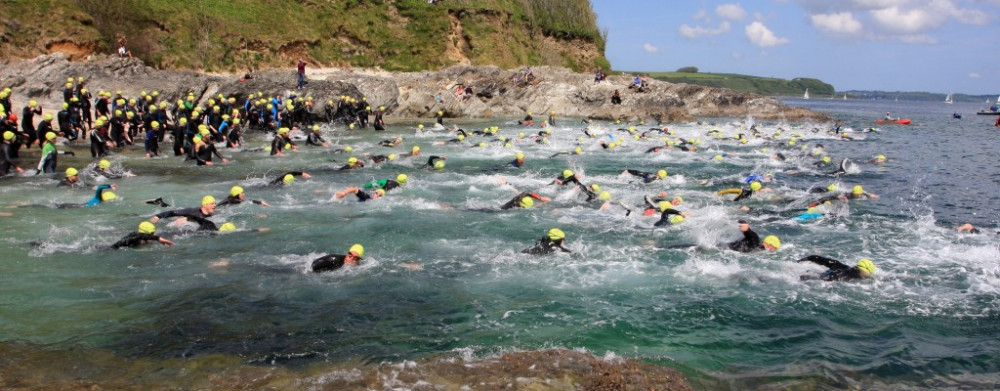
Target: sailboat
[
  {"x": 993, "y": 110},
  {"x": 806, "y": 95},
  {"x": 845, "y": 96},
  {"x": 949, "y": 99}
]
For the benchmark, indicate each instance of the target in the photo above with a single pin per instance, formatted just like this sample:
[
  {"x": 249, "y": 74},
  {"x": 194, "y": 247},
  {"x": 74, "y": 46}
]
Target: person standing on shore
[{"x": 302, "y": 74}]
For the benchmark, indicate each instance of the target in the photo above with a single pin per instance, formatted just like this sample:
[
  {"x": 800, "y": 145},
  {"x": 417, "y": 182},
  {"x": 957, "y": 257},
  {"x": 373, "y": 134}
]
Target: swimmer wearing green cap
[
  {"x": 554, "y": 240},
  {"x": 524, "y": 200},
  {"x": 145, "y": 234},
  {"x": 333, "y": 262},
  {"x": 288, "y": 178},
  {"x": 647, "y": 177},
  {"x": 838, "y": 271}
]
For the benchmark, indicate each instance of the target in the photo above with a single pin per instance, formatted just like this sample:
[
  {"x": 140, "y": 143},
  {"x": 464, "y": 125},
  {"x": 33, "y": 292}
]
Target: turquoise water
[{"x": 728, "y": 320}]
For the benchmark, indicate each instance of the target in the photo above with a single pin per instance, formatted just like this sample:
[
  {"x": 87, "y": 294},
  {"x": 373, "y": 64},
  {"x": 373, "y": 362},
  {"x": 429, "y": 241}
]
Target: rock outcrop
[{"x": 497, "y": 92}]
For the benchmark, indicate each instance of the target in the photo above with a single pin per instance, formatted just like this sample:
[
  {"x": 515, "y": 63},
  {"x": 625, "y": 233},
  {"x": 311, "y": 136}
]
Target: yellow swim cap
[
  {"x": 439, "y": 164},
  {"x": 392, "y": 156},
  {"x": 664, "y": 205},
  {"x": 71, "y": 172},
  {"x": 676, "y": 219},
  {"x": 482, "y": 144},
  {"x": 380, "y": 192},
  {"x": 595, "y": 187},
  {"x": 154, "y": 124},
  {"x": 421, "y": 126},
  {"x": 556, "y": 234},
  {"x": 352, "y": 161},
  {"x": 832, "y": 187},
  {"x": 108, "y": 196},
  {"x": 604, "y": 196},
  {"x": 567, "y": 173},
  {"x": 519, "y": 155},
  {"x": 527, "y": 202},
  {"x": 8, "y": 135},
  {"x": 461, "y": 137},
  {"x": 236, "y": 191},
  {"x": 826, "y": 159},
  {"x": 103, "y": 164},
  {"x": 415, "y": 149},
  {"x": 755, "y": 186},
  {"x": 772, "y": 241},
  {"x": 348, "y": 148},
  {"x": 207, "y": 200},
  {"x": 227, "y": 227},
  {"x": 288, "y": 179},
  {"x": 866, "y": 265},
  {"x": 146, "y": 227},
  {"x": 401, "y": 178},
  {"x": 578, "y": 151},
  {"x": 718, "y": 158},
  {"x": 857, "y": 190},
  {"x": 661, "y": 174},
  {"x": 358, "y": 250},
  {"x": 50, "y": 136}
]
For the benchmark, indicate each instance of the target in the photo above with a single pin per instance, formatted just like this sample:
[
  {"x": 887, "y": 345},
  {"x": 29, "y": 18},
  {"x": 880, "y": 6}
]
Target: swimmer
[
  {"x": 315, "y": 139},
  {"x": 647, "y": 177},
  {"x": 362, "y": 196},
  {"x": 670, "y": 215},
  {"x": 387, "y": 184},
  {"x": 751, "y": 242},
  {"x": 606, "y": 198},
  {"x": 207, "y": 209},
  {"x": 518, "y": 160},
  {"x": 288, "y": 178},
  {"x": 391, "y": 143},
  {"x": 742, "y": 193},
  {"x": 524, "y": 200},
  {"x": 72, "y": 179},
  {"x": 333, "y": 262},
  {"x": 435, "y": 162},
  {"x": 102, "y": 193},
  {"x": 838, "y": 271},
  {"x": 968, "y": 228},
  {"x": 353, "y": 163},
  {"x": 554, "y": 240},
  {"x": 145, "y": 234},
  {"x": 569, "y": 177},
  {"x": 237, "y": 196},
  {"x": 7, "y": 154}
]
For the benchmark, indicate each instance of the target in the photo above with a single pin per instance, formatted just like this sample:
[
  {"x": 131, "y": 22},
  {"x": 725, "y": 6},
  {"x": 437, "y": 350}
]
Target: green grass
[
  {"x": 399, "y": 35},
  {"x": 746, "y": 83}
]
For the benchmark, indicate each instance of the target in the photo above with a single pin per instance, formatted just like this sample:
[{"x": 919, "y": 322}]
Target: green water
[{"x": 728, "y": 320}]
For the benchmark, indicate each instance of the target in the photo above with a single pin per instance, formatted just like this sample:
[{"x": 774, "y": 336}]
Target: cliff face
[
  {"x": 234, "y": 36},
  {"x": 412, "y": 94}
]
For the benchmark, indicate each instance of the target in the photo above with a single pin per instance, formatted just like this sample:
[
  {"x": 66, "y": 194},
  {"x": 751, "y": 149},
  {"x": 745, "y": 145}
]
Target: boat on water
[
  {"x": 806, "y": 95},
  {"x": 949, "y": 99},
  {"x": 897, "y": 121},
  {"x": 845, "y": 96},
  {"x": 993, "y": 110}
]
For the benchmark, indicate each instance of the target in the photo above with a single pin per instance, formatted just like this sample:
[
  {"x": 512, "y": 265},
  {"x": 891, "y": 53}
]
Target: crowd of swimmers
[{"x": 114, "y": 122}]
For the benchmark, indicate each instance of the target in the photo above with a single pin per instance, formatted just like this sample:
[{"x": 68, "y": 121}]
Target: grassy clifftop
[{"x": 234, "y": 35}]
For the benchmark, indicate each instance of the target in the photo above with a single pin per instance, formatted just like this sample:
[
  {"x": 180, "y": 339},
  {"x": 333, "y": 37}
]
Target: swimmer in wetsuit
[
  {"x": 237, "y": 196},
  {"x": 333, "y": 262},
  {"x": 145, "y": 234},
  {"x": 72, "y": 179},
  {"x": 524, "y": 200},
  {"x": 288, "y": 178},
  {"x": 742, "y": 193},
  {"x": 553, "y": 240},
  {"x": 206, "y": 210},
  {"x": 569, "y": 177},
  {"x": 838, "y": 271},
  {"x": 387, "y": 184},
  {"x": 315, "y": 139},
  {"x": 436, "y": 162},
  {"x": 751, "y": 242},
  {"x": 353, "y": 163},
  {"x": 361, "y": 194},
  {"x": 647, "y": 177},
  {"x": 670, "y": 215},
  {"x": 517, "y": 162}
]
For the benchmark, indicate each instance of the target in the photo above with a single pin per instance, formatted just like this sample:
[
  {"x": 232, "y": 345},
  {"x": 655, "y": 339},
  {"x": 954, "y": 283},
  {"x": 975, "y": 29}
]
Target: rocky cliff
[
  {"x": 234, "y": 36},
  {"x": 497, "y": 93}
]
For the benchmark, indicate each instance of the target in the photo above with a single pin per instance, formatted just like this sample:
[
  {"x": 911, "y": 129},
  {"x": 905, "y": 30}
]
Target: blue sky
[{"x": 892, "y": 45}]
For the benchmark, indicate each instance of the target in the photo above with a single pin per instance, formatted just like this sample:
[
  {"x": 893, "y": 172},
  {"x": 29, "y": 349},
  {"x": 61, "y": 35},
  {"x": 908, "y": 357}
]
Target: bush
[{"x": 688, "y": 70}]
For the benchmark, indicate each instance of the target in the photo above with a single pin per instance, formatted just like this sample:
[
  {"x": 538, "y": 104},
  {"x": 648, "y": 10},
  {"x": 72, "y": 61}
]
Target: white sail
[
  {"x": 806, "y": 95},
  {"x": 845, "y": 96},
  {"x": 948, "y": 99}
]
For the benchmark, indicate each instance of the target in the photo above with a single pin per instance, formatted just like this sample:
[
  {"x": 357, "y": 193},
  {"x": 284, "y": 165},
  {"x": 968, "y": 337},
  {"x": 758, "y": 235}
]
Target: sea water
[{"x": 443, "y": 272}]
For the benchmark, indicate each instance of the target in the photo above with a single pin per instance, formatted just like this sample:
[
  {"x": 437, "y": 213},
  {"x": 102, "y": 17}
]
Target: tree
[{"x": 688, "y": 70}]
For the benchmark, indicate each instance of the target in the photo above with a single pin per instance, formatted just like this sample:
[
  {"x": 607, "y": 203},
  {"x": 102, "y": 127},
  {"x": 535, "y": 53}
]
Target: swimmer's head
[
  {"x": 866, "y": 266},
  {"x": 227, "y": 227},
  {"x": 236, "y": 191},
  {"x": 857, "y": 190},
  {"x": 556, "y": 234},
  {"x": 527, "y": 202},
  {"x": 755, "y": 186},
  {"x": 146, "y": 227},
  {"x": 772, "y": 242}
]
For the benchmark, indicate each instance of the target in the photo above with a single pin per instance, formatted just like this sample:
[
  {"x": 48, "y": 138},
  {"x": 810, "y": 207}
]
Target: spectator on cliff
[
  {"x": 616, "y": 98},
  {"x": 302, "y": 74},
  {"x": 599, "y": 75},
  {"x": 468, "y": 93},
  {"x": 122, "y": 48}
]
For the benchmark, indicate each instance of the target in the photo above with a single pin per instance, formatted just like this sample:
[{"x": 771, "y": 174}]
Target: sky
[{"x": 890, "y": 45}]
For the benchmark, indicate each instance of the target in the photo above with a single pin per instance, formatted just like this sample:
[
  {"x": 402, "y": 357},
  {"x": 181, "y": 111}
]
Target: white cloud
[
  {"x": 974, "y": 75},
  {"x": 701, "y": 15},
  {"x": 698, "y": 31},
  {"x": 731, "y": 11},
  {"x": 763, "y": 37},
  {"x": 839, "y": 23},
  {"x": 909, "y": 22},
  {"x": 649, "y": 48}
]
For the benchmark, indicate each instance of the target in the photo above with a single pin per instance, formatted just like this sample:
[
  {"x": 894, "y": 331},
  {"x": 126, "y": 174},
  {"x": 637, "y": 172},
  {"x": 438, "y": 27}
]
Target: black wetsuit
[
  {"x": 516, "y": 201},
  {"x": 546, "y": 246},
  {"x": 280, "y": 180},
  {"x": 328, "y": 263},
  {"x": 590, "y": 194},
  {"x": 646, "y": 176},
  {"x": 190, "y": 213},
  {"x": 838, "y": 270},
  {"x": 385, "y": 184},
  {"x": 236, "y": 201},
  {"x": 665, "y": 217},
  {"x": 750, "y": 242},
  {"x": 515, "y": 163},
  {"x": 431, "y": 160},
  {"x": 6, "y": 156},
  {"x": 134, "y": 240},
  {"x": 315, "y": 139}
]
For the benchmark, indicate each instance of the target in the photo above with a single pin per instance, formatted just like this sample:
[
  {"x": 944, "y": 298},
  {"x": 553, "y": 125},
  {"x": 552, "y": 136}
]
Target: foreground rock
[{"x": 407, "y": 95}]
